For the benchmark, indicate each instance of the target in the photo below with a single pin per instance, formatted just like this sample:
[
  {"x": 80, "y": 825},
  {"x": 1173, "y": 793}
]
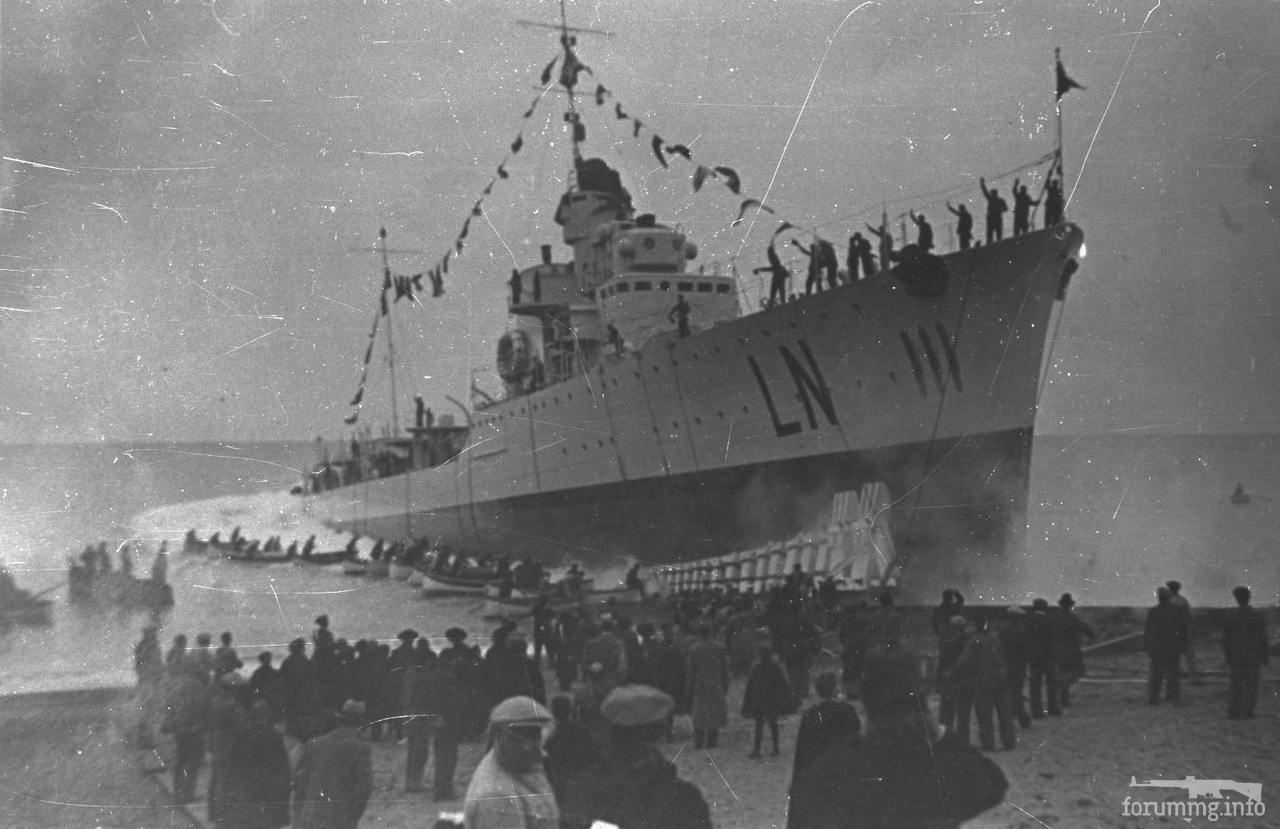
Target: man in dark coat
[
  {"x": 1013, "y": 641},
  {"x": 1165, "y": 638},
  {"x": 402, "y": 658},
  {"x": 884, "y": 623},
  {"x": 828, "y": 722},
  {"x": 334, "y": 777},
  {"x": 896, "y": 775},
  {"x": 707, "y": 683},
  {"x": 1068, "y": 630},
  {"x": 980, "y": 670},
  {"x": 228, "y": 725},
  {"x": 255, "y": 787},
  {"x": 571, "y": 752},
  {"x": 416, "y": 708},
  {"x": 464, "y": 662},
  {"x": 607, "y": 649},
  {"x": 569, "y": 645},
  {"x": 1244, "y": 644},
  {"x": 263, "y": 681},
  {"x": 767, "y": 697},
  {"x": 1041, "y": 660},
  {"x": 444, "y": 699},
  {"x": 297, "y": 690},
  {"x": 636, "y": 787}
]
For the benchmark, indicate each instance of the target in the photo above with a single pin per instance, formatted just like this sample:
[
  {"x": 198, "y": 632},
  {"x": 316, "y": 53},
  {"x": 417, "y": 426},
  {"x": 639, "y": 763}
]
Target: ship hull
[{"x": 739, "y": 435}]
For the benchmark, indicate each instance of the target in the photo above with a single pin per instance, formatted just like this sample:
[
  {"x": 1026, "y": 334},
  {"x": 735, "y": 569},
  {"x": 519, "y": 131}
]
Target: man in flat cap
[
  {"x": 509, "y": 788},
  {"x": 636, "y": 786},
  {"x": 334, "y": 776}
]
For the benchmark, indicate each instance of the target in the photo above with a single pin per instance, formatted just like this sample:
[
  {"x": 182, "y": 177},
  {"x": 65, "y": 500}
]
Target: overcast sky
[{"x": 187, "y": 186}]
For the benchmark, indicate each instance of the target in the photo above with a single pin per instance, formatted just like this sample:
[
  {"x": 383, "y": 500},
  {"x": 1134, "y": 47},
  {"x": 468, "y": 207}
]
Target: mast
[
  {"x": 1057, "y": 67},
  {"x": 568, "y": 77},
  {"x": 391, "y": 341}
]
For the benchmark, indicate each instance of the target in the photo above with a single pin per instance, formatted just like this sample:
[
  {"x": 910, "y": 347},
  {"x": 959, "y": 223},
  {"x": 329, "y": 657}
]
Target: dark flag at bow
[
  {"x": 437, "y": 283},
  {"x": 1065, "y": 83}
]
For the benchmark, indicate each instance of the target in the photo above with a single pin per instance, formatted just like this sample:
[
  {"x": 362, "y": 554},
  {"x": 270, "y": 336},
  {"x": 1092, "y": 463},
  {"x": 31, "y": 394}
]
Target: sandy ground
[{"x": 65, "y": 762}]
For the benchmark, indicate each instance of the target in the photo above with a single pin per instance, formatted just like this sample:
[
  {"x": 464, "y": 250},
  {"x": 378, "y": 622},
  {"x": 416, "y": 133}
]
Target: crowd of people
[{"x": 588, "y": 750}]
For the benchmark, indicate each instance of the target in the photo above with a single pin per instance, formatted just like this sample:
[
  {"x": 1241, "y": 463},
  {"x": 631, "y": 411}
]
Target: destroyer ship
[{"x": 623, "y": 435}]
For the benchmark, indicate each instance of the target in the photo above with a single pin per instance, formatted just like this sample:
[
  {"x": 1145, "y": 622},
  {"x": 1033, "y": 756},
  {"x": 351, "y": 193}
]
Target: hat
[
  {"x": 1066, "y": 601},
  {"x": 407, "y": 635},
  {"x": 632, "y": 705},
  {"x": 352, "y": 711},
  {"x": 519, "y": 710},
  {"x": 1174, "y": 585},
  {"x": 1039, "y": 604},
  {"x": 455, "y": 634}
]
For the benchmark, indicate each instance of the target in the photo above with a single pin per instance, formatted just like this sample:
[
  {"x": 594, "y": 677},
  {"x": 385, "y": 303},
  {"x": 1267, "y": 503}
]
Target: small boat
[
  {"x": 318, "y": 559},
  {"x": 355, "y": 567},
  {"x": 463, "y": 584},
  {"x": 561, "y": 591},
  {"x": 379, "y": 568},
  {"x": 400, "y": 572},
  {"x": 113, "y": 587}
]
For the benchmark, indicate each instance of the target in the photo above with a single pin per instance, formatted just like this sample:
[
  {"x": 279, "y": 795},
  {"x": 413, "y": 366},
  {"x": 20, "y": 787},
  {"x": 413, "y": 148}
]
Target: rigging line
[
  {"x": 934, "y": 194},
  {"x": 799, "y": 115},
  {"x": 1132, "y": 48}
]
